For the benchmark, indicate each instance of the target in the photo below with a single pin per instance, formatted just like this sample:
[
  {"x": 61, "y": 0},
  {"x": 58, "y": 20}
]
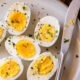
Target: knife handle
[{"x": 60, "y": 67}]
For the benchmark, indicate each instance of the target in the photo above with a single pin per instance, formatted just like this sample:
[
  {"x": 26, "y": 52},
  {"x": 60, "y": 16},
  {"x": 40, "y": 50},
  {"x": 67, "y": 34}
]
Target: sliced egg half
[
  {"x": 43, "y": 67},
  {"x": 47, "y": 31},
  {"x": 2, "y": 31},
  {"x": 17, "y": 18},
  {"x": 22, "y": 46},
  {"x": 10, "y": 68}
]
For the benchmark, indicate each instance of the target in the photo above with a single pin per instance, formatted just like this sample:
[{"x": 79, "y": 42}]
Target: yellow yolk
[
  {"x": 47, "y": 33},
  {"x": 9, "y": 69},
  {"x": 1, "y": 32},
  {"x": 25, "y": 48},
  {"x": 44, "y": 65},
  {"x": 17, "y": 20}
]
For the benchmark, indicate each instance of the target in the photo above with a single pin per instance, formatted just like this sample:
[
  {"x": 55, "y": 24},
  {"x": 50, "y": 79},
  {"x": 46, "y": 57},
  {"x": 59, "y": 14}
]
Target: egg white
[
  {"x": 18, "y": 7},
  {"x": 12, "y": 50},
  {"x": 47, "y": 20},
  {"x": 3, "y": 26},
  {"x": 18, "y": 61},
  {"x": 30, "y": 76}
]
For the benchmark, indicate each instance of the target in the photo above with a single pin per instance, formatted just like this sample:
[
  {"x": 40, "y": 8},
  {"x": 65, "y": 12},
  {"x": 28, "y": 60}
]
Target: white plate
[{"x": 39, "y": 9}]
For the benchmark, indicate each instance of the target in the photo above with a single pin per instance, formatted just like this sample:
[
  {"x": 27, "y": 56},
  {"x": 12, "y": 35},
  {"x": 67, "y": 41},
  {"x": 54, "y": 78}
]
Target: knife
[{"x": 69, "y": 25}]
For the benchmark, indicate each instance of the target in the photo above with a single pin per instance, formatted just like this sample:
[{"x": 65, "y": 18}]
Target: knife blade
[{"x": 69, "y": 25}]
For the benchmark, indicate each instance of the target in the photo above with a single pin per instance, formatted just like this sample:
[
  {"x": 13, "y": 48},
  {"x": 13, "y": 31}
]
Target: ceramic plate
[{"x": 39, "y": 9}]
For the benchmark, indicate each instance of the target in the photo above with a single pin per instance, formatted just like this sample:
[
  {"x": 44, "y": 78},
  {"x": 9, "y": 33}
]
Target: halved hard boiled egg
[
  {"x": 22, "y": 46},
  {"x": 10, "y": 68},
  {"x": 47, "y": 31},
  {"x": 17, "y": 18},
  {"x": 2, "y": 31},
  {"x": 43, "y": 67}
]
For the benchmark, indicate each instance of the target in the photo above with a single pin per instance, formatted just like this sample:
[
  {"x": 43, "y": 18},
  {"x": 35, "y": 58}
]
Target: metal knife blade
[{"x": 69, "y": 25}]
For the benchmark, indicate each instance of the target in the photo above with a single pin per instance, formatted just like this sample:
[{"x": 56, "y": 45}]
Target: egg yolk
[
  {"x": 9, "y": 69},
  {"x": 17, "y": 20},
  {"x": 25, "y": 48},
  {"x": 1, "y": 32},
  {"x": 46, "y": 33},
  {"x": 44, "y": 65}
]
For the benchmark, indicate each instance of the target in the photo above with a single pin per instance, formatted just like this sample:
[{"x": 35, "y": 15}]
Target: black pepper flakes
[
  {"x": 2, "y": 5},
  {"x": 77, "y": 56},
  {"x": 34, "y": 19},
  {"x": 31, "y": 67},
  {"x": 55, "y": 47},
  {"x": 47, "y": 14},
  {"x": 8, "y": 40},
  {"x": 43, "y": 8},
  {"x": 64, "y": 68},
  {"x": 0, "y": 44},
  {"x": 47, "y": 49},
  {"x": 30, "y": 35}
]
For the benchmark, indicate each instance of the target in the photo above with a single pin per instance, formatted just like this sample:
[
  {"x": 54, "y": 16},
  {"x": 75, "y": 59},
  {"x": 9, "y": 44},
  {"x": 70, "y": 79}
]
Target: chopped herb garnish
[
  {"x": 12, "y": 21},
  {"x": 51, "y": 35},
  {"x": 56, "y": 31},
  {"x": 13, "y": 44},
  {"x": 8, "y": 24},
  {"x": 24, "y": 8},
  {"x": 49, "y": 25},
  {"x": 66, "y": 40},
  {"x": 37, "y": 36},
  {"x": 55, "y": 56},
  {"x": 5, "y": 38},
  {"x": 6, "y": 73},
  {"x": 9, "y": 43},
  {"x": 48, "y": 32},
  {"x": 38, "y": 68},
  {"x": 30, "y": 35}
]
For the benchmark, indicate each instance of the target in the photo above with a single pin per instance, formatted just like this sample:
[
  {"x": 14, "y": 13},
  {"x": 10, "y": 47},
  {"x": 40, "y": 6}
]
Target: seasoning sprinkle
[
  {"x": 77, "y": 56},
  {"x": 56, "y": 31},
  {"x": 24, "y": 8},
  {"x": 13, "y": 44},
  {"x": 66, "y": 26},
  {"x": 37, "y": 36},
  {"x": 55, "y": 56},
  {"x": 30, "y": 35},
  {"x": 66, "y": 40},
  {"x": 6, "y": 73},
  {"x": 47, "y": 49},
  {"x": 12, "y": 21}
]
